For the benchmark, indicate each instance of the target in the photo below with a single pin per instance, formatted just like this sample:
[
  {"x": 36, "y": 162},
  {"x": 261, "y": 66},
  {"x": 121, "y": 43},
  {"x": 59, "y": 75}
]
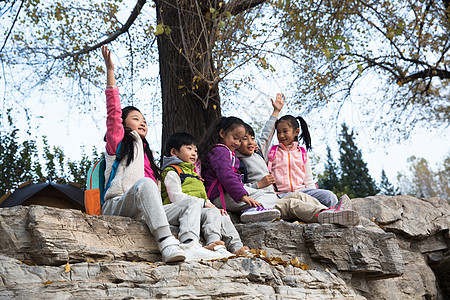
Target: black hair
[
  {"x": 292, "y": 121},
  {"x": 212, "y": 136},
  {"x": 177, "y": 140},
  {"x": 127, "y": 147},
  {"x": 249, "y": 130}
]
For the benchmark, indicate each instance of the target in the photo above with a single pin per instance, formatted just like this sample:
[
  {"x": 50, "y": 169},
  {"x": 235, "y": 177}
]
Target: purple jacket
[{"x": 219, "y": 166}]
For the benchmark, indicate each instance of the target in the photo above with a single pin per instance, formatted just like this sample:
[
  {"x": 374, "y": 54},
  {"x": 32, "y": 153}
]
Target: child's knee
[
  {"x": 193, "y": 202},
  {"x": 146, "y": 186}
]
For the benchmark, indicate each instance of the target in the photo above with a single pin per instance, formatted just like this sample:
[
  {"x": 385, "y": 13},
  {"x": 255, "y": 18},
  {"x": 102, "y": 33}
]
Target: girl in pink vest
[{"x": 288, "y": 161}]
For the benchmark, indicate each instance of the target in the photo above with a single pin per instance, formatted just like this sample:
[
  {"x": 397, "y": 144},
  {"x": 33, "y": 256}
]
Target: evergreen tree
[
  {"x": 19, "y": 162},
  {"x": 355, "y": 178},
  {"x": 386, "y": 187},
  {"x": 329, "y": 180}
]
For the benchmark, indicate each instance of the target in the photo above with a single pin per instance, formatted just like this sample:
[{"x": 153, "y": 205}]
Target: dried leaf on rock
[
  {"x": 28, "y": 262},
  {"x": 67, "y": 269}
]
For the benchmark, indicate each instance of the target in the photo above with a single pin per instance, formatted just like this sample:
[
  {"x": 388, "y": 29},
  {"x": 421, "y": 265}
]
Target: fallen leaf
[
  {"x": 67, "y": 269},
  {"x": 28, "y": 262},
  {"x": 47, "y": 282}
]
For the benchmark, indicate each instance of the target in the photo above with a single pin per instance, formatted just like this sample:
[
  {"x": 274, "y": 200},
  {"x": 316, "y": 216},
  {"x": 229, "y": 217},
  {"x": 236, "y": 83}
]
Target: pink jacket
[
  {"x": 290, "y": 173},
  {"x": 114, "y": 127}
]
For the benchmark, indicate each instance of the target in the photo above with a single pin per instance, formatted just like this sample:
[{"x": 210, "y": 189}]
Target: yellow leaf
[
  {"x": 67, "y": 267},
  {"x": 47, "y": 282},
  {"x": 90, "y": 261},
  {"x": 214, "y": 107}
]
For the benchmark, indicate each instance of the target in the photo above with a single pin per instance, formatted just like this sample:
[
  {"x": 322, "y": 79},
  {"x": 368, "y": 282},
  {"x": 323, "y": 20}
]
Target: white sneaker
[
  {"x": 171, "y": 251},
  {"x": 222, "y": 250},
  {"x": 259, "y": 214},
  {"x": 195, "y": 251}
]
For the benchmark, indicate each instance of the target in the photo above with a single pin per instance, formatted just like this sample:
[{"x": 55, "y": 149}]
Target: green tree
[
  {"x": 18, "y": 161},
  {"x": 21, "y": 162},
  {"x": 329, "y": 179},
  {"x": 385, "y": 185},
  {"x": 355, "y": 178},
  {"x": 423, "y": 181}
]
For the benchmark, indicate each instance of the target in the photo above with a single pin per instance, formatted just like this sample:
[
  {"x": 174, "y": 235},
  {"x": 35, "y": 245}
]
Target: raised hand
[
  {"x": 277, "y": 104},
  {"x": 110, "y": 79},
  {"x": 107, "y": 57}
]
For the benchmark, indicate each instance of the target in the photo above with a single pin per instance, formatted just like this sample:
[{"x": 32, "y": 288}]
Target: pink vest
[{"x": 288, "y": 167}]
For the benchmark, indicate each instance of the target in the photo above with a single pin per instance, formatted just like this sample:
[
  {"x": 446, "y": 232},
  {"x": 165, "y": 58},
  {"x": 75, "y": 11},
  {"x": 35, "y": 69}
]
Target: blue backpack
[{"x": 94, "y": 195}]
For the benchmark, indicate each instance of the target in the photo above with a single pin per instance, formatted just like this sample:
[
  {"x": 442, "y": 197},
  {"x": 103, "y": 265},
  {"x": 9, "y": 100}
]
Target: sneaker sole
[
  {"x": 341, "y": 217},
  {"x": 261, "y": 216},
  {"x": 176, "y": 258}
]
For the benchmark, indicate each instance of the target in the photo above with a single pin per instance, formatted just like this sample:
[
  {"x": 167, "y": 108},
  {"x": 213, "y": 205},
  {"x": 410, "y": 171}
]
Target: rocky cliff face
[{"x": 401, "y": 251}]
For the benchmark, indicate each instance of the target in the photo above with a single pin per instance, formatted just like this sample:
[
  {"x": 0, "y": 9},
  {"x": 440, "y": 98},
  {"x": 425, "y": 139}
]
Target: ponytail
[
  {"x": 294, "y": 123},
  {"x": 305, "y": 136}
]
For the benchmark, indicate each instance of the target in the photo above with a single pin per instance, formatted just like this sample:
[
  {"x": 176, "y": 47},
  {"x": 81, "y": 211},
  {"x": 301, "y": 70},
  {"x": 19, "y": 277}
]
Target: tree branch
[
  {"x": 428, "y": 73},
  {"x": 12, "y": 26},
  {"x": 237, "y": 6},
  {"x": 113, "y": 36}
]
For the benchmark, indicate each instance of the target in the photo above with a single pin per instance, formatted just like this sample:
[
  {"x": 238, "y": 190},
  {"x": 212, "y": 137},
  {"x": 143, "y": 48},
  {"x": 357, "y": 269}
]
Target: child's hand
[
  {"x": 223, "y": 212},
  {"x": 250, "y": 201},
  {"x": 107, "y": 57},
  {"x": 266, "y": 181},
  {"x": 209, "y": 205},
  {"x": 278, "y": 104}
]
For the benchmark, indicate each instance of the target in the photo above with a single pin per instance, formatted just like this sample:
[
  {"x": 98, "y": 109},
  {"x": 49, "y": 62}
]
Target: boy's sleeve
[
  {"x": 173, "y": 186},
  {"x": 267, "y": 133},
  {"x": 252, "y": 185}
]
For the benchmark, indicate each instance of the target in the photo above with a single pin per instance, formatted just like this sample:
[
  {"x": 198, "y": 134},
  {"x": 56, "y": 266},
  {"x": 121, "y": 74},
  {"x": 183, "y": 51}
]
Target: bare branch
[
  {"x": 12, "y": 26},
  {"x": 112, "y": 37}
]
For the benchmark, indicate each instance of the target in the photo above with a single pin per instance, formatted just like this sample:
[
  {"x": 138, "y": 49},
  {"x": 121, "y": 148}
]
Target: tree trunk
[{"x": 189, "y": 104}]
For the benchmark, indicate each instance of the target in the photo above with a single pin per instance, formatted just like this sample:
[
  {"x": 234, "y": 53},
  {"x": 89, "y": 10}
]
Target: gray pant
[
  {"x": 325, "y": 197},
  {"x": 143, "y": 200},
  {"x": 216, "y": 227},
  {"x": 267, "y": 199}
]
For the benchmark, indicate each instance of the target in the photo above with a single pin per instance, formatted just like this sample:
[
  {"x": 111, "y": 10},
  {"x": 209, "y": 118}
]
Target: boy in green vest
[{"x": 180, "y": 181}]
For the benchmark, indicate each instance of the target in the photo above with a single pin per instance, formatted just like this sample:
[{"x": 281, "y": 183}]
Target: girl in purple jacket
[{"x": 219, "y": 169}]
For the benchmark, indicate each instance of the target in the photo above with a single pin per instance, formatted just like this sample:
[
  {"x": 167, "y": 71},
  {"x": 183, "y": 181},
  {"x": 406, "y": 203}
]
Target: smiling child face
[{"x": 136, "y": 121}]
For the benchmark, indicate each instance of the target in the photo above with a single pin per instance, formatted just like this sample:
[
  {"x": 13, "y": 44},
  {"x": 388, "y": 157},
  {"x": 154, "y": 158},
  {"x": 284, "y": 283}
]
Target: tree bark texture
[{"x": 189, "y": 103}]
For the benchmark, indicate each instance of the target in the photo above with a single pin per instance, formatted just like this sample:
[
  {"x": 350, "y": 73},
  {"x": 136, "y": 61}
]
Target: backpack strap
[
  {"x": 243, "y": 171},
  {"x": 112, "y": 174},
  {"x": 304, "y": 155},
  {"x": 181, "y": 173},
  {"x": 221, "y": 193},
  {"x": 272, "y": 152}
]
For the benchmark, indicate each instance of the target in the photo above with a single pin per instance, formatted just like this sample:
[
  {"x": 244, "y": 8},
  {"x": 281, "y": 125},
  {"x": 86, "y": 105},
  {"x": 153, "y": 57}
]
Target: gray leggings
[
  {"x": 216, "y": 227},
  {"x": 143, "y": 200}
]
